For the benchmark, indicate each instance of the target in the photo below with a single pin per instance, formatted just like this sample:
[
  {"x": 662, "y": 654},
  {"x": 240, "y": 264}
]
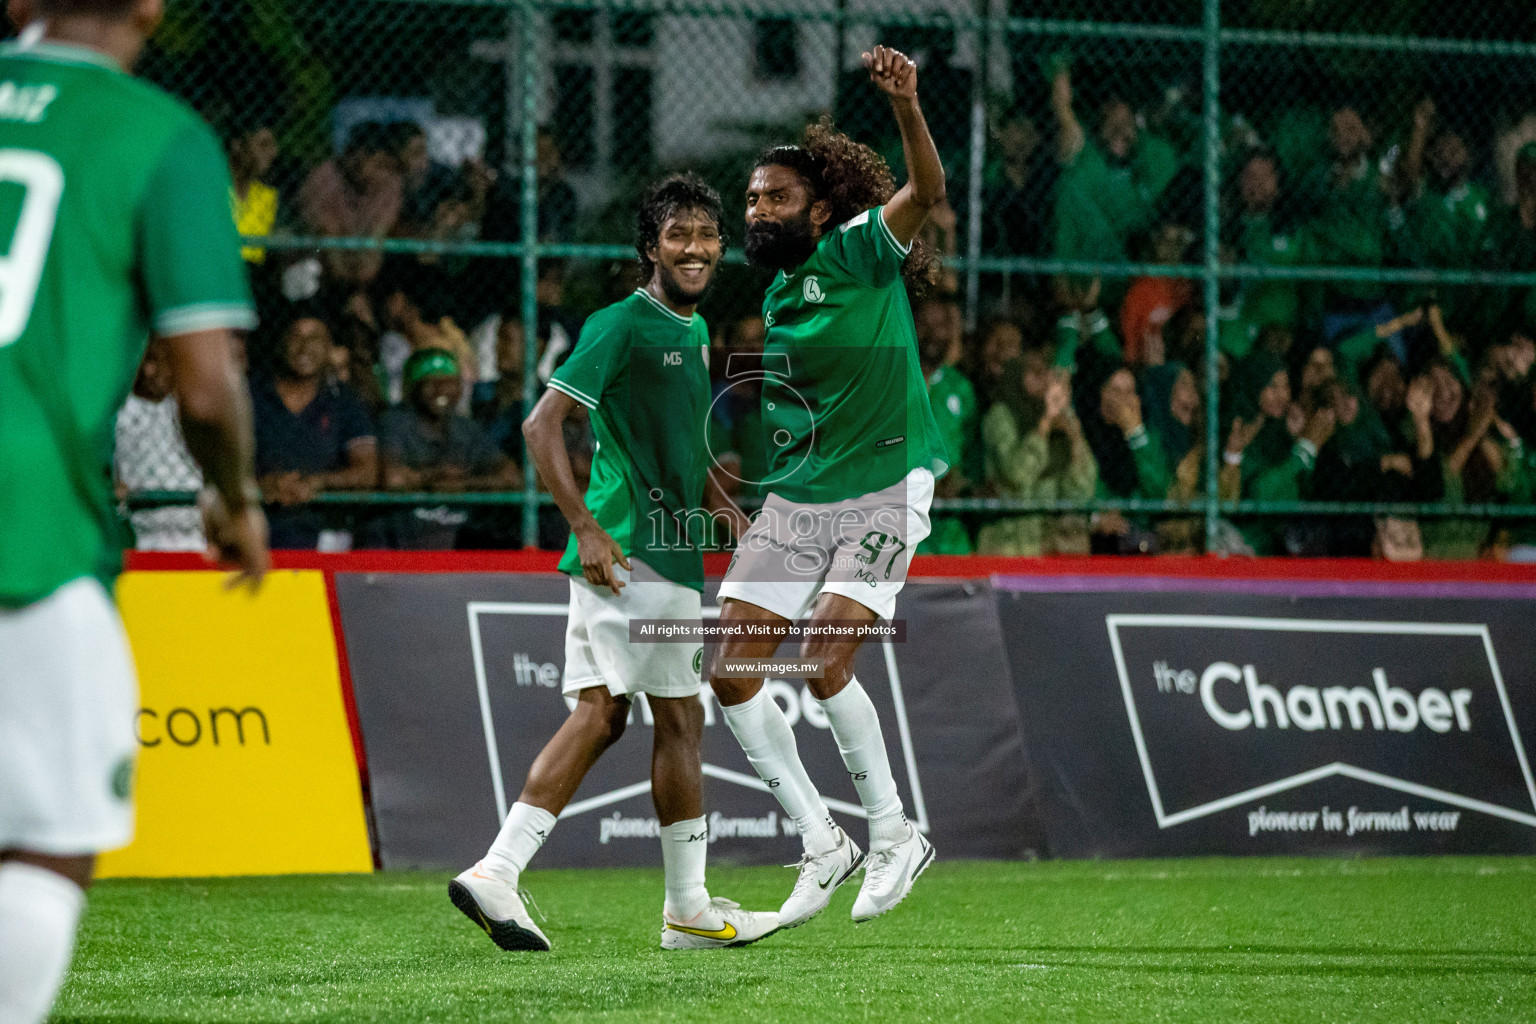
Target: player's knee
[
  {"x": 615, "y": 721},
  {"x": 602, "y": 716},
  {"x": 677, "y": 720},
  {"x": 730, "y": 692},
  {"x": 836, "y": 665}
]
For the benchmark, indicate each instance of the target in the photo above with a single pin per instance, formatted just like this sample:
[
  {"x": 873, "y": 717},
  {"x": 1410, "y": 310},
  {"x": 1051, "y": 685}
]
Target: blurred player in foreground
[
  {"x": 641, "y": 369},
  {"x": 114, "y": 199},
  {"x": 853, "y": 453}
]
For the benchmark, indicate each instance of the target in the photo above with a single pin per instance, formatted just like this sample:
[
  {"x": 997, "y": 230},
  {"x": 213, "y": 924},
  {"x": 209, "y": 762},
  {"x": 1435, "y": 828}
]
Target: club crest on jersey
[{"x": 812, "y": 290}]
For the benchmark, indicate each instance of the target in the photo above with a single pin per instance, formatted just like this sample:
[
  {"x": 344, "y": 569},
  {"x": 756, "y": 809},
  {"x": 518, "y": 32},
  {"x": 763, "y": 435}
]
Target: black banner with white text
[
  {"x": 458, "y": 686},
  {"x": 1233, "y": 723}
]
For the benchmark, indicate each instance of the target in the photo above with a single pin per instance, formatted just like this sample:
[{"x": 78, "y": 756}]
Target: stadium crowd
[{"x": 404, "y": 373}]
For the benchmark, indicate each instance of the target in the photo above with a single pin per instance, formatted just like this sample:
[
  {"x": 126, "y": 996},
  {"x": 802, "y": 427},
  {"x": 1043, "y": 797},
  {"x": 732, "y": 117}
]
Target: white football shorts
[
  {"x": 68, "y": 695},
  {"x": 598, "y": 651},
  {"x": 860, "y": 548}
]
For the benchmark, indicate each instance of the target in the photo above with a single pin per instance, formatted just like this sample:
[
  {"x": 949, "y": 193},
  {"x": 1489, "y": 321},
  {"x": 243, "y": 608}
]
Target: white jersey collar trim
[
  {"x": 61, "y": 53},
  {"x": 686, "y": 321}
]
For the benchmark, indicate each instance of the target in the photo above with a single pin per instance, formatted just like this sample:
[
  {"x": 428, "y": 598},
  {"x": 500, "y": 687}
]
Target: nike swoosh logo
[{"x": 724, "y": 934}]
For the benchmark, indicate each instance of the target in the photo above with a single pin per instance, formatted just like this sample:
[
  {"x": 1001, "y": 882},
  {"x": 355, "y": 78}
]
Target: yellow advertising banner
[{"x": 245, "y": 759}]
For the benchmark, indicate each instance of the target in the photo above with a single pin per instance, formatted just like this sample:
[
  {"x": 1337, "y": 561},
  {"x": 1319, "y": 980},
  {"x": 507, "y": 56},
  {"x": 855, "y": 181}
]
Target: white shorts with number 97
[
  {"x": 860, "y": 548},
  {"x": 68, "y": 695}
]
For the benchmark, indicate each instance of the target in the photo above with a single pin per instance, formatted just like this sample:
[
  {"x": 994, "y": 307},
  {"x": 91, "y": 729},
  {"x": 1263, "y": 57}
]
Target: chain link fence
[{"x": 1306, "y": 228}]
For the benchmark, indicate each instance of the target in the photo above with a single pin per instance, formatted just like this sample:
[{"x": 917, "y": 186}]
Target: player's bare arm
[
  {"x": 895, "y": 74},
  {"x": 216, "y": 421},
  {"x": 546, "y": 442}
]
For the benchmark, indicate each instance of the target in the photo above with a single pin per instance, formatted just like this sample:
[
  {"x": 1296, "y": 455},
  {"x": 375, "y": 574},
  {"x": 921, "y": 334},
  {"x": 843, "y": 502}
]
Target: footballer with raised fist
[{"x": 853, "y": 453}]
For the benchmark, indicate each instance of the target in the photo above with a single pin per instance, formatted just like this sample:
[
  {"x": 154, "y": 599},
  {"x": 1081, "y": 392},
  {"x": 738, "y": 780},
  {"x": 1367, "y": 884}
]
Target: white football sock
[
  {"x": 520, "y": 837},
  {"x": 684, "y": 847},
  {"x": 769, "y": 743},
  {"x": 856, "y": 727},
  {"x": 38, "y": 913}
]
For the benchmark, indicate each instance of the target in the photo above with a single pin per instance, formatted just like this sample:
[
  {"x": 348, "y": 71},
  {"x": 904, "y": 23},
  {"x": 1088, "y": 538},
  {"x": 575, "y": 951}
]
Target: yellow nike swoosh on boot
[{"x": 724, "y": 934}]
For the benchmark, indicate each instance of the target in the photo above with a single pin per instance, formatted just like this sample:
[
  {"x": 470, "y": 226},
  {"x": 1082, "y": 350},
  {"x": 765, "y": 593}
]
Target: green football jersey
[
  {"x": 114, "y": 199},
  {"x": 1446, "y": 229},
  {"x": 845, "y": 406},
  {"x": 953, "y": 403},
  {"x": 643, "y": 371}
]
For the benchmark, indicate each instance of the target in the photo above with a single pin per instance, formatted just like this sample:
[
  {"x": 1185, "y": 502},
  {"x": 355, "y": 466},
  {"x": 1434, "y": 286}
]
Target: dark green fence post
[
  {"x": 528, "y": 55},
  {"x": 977, "y": 166},
  {"x": 1212, "y": 276}
]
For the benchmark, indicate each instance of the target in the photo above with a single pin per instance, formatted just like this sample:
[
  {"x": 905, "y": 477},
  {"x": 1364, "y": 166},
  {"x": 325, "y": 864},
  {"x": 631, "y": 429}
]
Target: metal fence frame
[{"x": 523, "y": 27}]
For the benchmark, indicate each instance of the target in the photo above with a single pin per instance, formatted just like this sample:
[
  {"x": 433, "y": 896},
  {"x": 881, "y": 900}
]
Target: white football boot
[
  {"x": 889, "y": 874},
  {"x": 818, "y": 879},
  {"x": 497, "y": 907},
  {"x": 723, "y": 923}
]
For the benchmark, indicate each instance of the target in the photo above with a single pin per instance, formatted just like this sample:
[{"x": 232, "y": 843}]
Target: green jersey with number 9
[{"x": 114, "y": 222}]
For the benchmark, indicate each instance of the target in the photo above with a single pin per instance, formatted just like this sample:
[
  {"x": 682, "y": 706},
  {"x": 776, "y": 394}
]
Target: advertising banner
[
  {"x": 1279, "y": 722},
  {"x": 458, "y": 685},
  {"x": 245, "y": 764}
]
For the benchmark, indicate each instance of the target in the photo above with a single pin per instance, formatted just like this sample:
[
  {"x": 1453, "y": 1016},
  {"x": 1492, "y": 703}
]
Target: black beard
[
  {"x": 781, "y": 246},
  {"x": 675, "y": 290}
]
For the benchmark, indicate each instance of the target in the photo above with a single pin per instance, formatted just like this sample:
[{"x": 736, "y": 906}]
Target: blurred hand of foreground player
[
  {"x": 597, "y": 551},
  {"x": 893, "y": 72},
  {"x": 236, "y": 540}
]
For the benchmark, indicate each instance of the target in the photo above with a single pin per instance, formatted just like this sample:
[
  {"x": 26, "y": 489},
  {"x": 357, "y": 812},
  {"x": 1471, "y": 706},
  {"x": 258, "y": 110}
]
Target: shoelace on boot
[
  {"x": 879, "y": 863},
  {"x": 807, "y": 877},
  {"x": 527, "y": 897}
]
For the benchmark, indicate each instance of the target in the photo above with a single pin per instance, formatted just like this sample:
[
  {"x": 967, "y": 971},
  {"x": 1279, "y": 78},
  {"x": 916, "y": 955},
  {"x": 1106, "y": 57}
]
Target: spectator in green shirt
[
  {"x": 1132, "y": 463},
  {"x": 1348, "y": 226},
  {"x": 1170, "y": 399},
  {"x": 1035, "y": 450},
  {"x": 1473, "y": 460},
  {"x": 1018, "y": 183},
  {"x": 1263, "y": 459},
  {"x": 1110, "y": 182},
  {"x": 953, "y": 402},
  {"x": 1519, "y": 477},
  {"x": 1510, "y": 245},
  {"x": 1262, "y": 231},
  {"x": 1444, "y": 213}
]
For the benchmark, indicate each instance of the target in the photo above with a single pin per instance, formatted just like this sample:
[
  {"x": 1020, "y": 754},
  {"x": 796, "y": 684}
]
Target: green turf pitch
[{"x": 1180, "y": 941}]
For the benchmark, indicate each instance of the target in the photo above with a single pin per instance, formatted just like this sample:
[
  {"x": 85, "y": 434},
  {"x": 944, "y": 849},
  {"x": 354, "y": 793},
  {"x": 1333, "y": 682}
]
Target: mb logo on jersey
[
  {"x": 1418, "y": 708},
  {"x": 812, "y": 289},
  {"x": 672, "y": 359}
]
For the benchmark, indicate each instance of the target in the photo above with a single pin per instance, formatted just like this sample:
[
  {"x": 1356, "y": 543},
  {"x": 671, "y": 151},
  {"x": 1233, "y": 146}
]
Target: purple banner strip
[{"x": 1281, "y": 588}]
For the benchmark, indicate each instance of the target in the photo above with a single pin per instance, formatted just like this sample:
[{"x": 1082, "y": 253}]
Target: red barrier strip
[
  {"x": 345, "y": 665},
  {"x": 354, "y": 723},
  {"x": 945, "y": 566}
]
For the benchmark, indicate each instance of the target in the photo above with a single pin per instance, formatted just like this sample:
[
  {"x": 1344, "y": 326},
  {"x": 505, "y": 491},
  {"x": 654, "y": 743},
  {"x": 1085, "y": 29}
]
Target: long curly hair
[{"x": 853, "y": 178}]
